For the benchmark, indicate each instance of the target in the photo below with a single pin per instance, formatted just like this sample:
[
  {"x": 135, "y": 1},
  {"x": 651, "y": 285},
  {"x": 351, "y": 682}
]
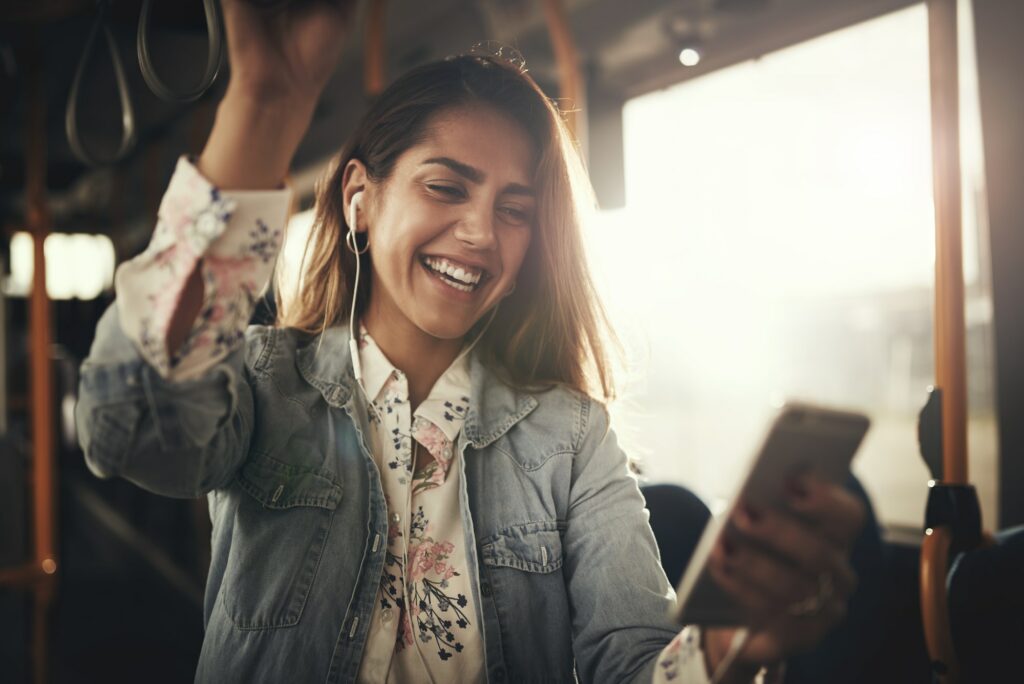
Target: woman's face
[{"x": 449, "y": 229}]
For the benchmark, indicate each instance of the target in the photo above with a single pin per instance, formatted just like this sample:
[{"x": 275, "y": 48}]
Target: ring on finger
[{"x": 812, "y": 605}]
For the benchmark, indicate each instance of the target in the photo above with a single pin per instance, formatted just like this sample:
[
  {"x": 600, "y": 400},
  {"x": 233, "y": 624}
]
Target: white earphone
[
  {"x": 353, "y": 210},
  {"x": 350, "y": 242},
  {"x": 357, "y": 369}
]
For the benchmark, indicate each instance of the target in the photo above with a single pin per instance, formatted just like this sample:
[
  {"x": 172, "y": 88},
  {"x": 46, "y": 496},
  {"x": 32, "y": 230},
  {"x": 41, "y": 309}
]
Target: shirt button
[
  {"x": 386, "y": 615},
  {"x": 395, "y": 518}
]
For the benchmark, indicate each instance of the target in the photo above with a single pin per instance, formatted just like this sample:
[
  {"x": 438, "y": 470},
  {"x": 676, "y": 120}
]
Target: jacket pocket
[
  {"x": 533, "y": 547},
  {"x": 281, "y": 525},
  {"x": 522, "y": 583}
]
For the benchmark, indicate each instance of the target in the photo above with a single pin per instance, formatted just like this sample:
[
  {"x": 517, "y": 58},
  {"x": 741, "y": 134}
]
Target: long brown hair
[{"x": 552, "y": 329}]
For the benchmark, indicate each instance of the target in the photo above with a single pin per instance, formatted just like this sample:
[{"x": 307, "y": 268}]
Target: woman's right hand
[
  {"x": 288, "y": 52},
  {"x": 281, "y": 60}
]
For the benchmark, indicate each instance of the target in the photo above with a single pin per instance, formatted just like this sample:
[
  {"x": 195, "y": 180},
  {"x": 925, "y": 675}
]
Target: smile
[{"x": 462, "y": 277}]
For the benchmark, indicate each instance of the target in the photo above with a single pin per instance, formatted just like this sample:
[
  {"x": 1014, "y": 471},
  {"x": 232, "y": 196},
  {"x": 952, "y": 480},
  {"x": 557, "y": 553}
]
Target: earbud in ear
[{"x": 353, "y": 211}]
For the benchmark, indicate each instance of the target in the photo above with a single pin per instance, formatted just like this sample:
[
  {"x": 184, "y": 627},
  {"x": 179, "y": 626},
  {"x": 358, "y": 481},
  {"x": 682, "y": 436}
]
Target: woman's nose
[{"x": 476, "y": 229}]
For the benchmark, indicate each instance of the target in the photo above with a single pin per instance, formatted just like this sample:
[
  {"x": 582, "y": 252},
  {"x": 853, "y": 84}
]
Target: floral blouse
[
  {"x": 424, "y": 616},
  {"x": 425, "y": 626}
]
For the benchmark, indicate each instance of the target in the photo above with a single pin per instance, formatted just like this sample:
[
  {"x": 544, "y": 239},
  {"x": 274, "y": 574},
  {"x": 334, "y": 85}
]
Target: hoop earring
[
  {"x": 510, "y": 290},
  {"x": 350, "y": 242}
]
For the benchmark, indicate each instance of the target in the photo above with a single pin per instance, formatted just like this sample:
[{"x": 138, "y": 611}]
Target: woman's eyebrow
[{"x": 475, "y": 175}]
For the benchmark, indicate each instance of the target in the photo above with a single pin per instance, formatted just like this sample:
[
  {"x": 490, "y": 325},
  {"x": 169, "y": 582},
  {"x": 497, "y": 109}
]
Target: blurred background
[{"x": 765, "y": 230}]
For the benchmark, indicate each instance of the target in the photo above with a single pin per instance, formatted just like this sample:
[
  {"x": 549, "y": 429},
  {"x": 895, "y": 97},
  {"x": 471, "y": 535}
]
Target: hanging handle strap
[
  {"x": 128, "y": 135},
  {"x": 214, "y": 52}
]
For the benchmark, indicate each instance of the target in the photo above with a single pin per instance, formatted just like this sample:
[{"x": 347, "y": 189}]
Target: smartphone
[{"x": 803, "y": 438}]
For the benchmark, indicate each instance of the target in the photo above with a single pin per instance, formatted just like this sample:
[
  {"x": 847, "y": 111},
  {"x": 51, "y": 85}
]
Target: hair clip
[{"x": 497, "y": 50}]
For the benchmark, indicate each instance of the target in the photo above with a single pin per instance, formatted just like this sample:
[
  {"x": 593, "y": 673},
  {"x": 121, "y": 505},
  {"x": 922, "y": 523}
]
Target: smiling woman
[
  {"x": 483, "y": 157},
  {"x": 428, "y": 491},
  {"x": 446, "y": 237}
]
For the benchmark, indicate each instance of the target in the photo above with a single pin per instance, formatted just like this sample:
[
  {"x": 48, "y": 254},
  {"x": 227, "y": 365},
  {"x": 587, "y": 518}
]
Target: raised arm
[
  {"x": 165, "y": 397},
  {"x": 280, "y": 63}
]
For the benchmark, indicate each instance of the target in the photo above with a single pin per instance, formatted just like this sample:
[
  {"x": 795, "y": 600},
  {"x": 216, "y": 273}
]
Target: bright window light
[
  {"x": 778, "y": 241},
  {"x": 78, "y": 266},
  {"x": 289, "y": 263}
]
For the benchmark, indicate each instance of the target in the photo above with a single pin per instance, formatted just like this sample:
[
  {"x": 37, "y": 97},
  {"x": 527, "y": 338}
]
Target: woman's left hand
[{"x": 789, "y": 569}]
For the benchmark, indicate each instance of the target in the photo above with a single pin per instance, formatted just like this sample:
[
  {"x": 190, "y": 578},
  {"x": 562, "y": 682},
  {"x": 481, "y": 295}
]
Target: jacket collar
[{"x": 326, "y": 364}]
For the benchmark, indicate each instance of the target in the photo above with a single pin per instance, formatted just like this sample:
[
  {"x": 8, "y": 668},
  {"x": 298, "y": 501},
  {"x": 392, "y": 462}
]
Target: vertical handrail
[
  {"x": 949, "y": 326},
  {"x": 41, "y": 388},
  {"x": 938, "y": 635},
  {"x": 374, "y": 55},
  {"x": 570, "y": 80}
]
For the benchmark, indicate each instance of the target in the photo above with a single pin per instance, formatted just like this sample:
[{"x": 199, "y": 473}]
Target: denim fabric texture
[{"x": 567, "y": 575}]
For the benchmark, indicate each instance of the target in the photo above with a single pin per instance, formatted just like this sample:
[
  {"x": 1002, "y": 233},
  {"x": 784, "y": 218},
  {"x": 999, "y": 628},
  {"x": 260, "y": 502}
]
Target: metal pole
[
  {"x": 41, "y": 387},
  {"x": 375, "y": 56},
  {"x": 950, "y": 365},
  {"x": 570, "y": 81},
  {"x": 949, "y": 327}
]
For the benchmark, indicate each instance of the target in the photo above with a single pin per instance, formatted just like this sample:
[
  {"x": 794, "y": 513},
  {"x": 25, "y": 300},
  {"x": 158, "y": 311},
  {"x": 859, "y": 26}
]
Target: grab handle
[{"x": 214, "y": 52}]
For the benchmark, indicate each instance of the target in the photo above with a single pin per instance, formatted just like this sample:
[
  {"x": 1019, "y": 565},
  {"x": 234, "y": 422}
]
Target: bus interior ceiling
[{"x": 125, "y": 555}]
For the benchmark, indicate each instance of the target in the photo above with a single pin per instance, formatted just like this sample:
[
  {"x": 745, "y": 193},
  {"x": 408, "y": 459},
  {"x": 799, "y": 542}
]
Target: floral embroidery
[
  {"x": 439, "y": 446},
  {"x": 208, "y": 223},
  {"x": 437, "y": 614},
  {"x": 388, "y": 408},
  {"x": 263, "y": 242},
  {"x": 456, "y": 410},
  {"x": 391, "y": 595}
]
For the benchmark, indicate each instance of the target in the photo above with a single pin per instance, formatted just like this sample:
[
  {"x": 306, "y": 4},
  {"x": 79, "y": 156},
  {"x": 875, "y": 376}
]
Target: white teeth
[{"x": 466, "y": 275}]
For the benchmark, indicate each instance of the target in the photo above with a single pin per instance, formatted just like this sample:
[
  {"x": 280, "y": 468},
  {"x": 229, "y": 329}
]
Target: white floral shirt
[{"x": 424, "y": 616}]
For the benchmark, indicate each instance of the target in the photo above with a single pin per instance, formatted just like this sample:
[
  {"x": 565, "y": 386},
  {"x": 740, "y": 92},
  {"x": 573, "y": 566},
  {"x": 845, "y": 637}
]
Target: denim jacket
[{"x": 567, "y": 574}]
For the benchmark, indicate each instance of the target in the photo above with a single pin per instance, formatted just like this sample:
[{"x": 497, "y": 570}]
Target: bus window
[{"x": 791, "y": 199}]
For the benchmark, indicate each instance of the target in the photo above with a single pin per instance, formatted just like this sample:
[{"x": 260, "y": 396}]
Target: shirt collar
[
  {"x": 448, "y": 402},
  {"x": 323, "y": 361},
  {"x": 377, "y": 370}
]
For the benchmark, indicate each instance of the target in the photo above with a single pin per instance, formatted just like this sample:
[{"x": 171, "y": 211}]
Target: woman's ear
[{"x": 353, "y": 186}]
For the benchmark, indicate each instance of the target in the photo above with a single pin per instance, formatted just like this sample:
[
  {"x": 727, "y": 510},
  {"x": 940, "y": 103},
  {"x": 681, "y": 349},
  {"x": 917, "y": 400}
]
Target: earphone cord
[
  {"x": 358, "y": 372},
  {"x": 353, "y": 346}
]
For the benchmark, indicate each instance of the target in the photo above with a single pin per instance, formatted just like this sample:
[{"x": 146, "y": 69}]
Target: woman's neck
[{"x": 422, "y": 357}]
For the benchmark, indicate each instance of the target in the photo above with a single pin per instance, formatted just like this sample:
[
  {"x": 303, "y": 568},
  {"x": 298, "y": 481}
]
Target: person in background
[{"x": 411, "y": 476}]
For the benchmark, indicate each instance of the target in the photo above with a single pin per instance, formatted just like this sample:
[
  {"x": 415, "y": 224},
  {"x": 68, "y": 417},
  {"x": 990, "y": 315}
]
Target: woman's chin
[{"x": 447, "y": 329}]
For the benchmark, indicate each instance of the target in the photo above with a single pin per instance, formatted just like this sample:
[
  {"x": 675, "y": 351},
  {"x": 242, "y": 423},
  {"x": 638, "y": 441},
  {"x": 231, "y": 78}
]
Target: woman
[{"x": 411, "y": 477}]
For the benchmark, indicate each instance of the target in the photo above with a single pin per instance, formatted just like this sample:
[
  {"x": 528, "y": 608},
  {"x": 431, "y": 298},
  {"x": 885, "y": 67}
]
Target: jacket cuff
[{"x": 233, "y": 237}]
